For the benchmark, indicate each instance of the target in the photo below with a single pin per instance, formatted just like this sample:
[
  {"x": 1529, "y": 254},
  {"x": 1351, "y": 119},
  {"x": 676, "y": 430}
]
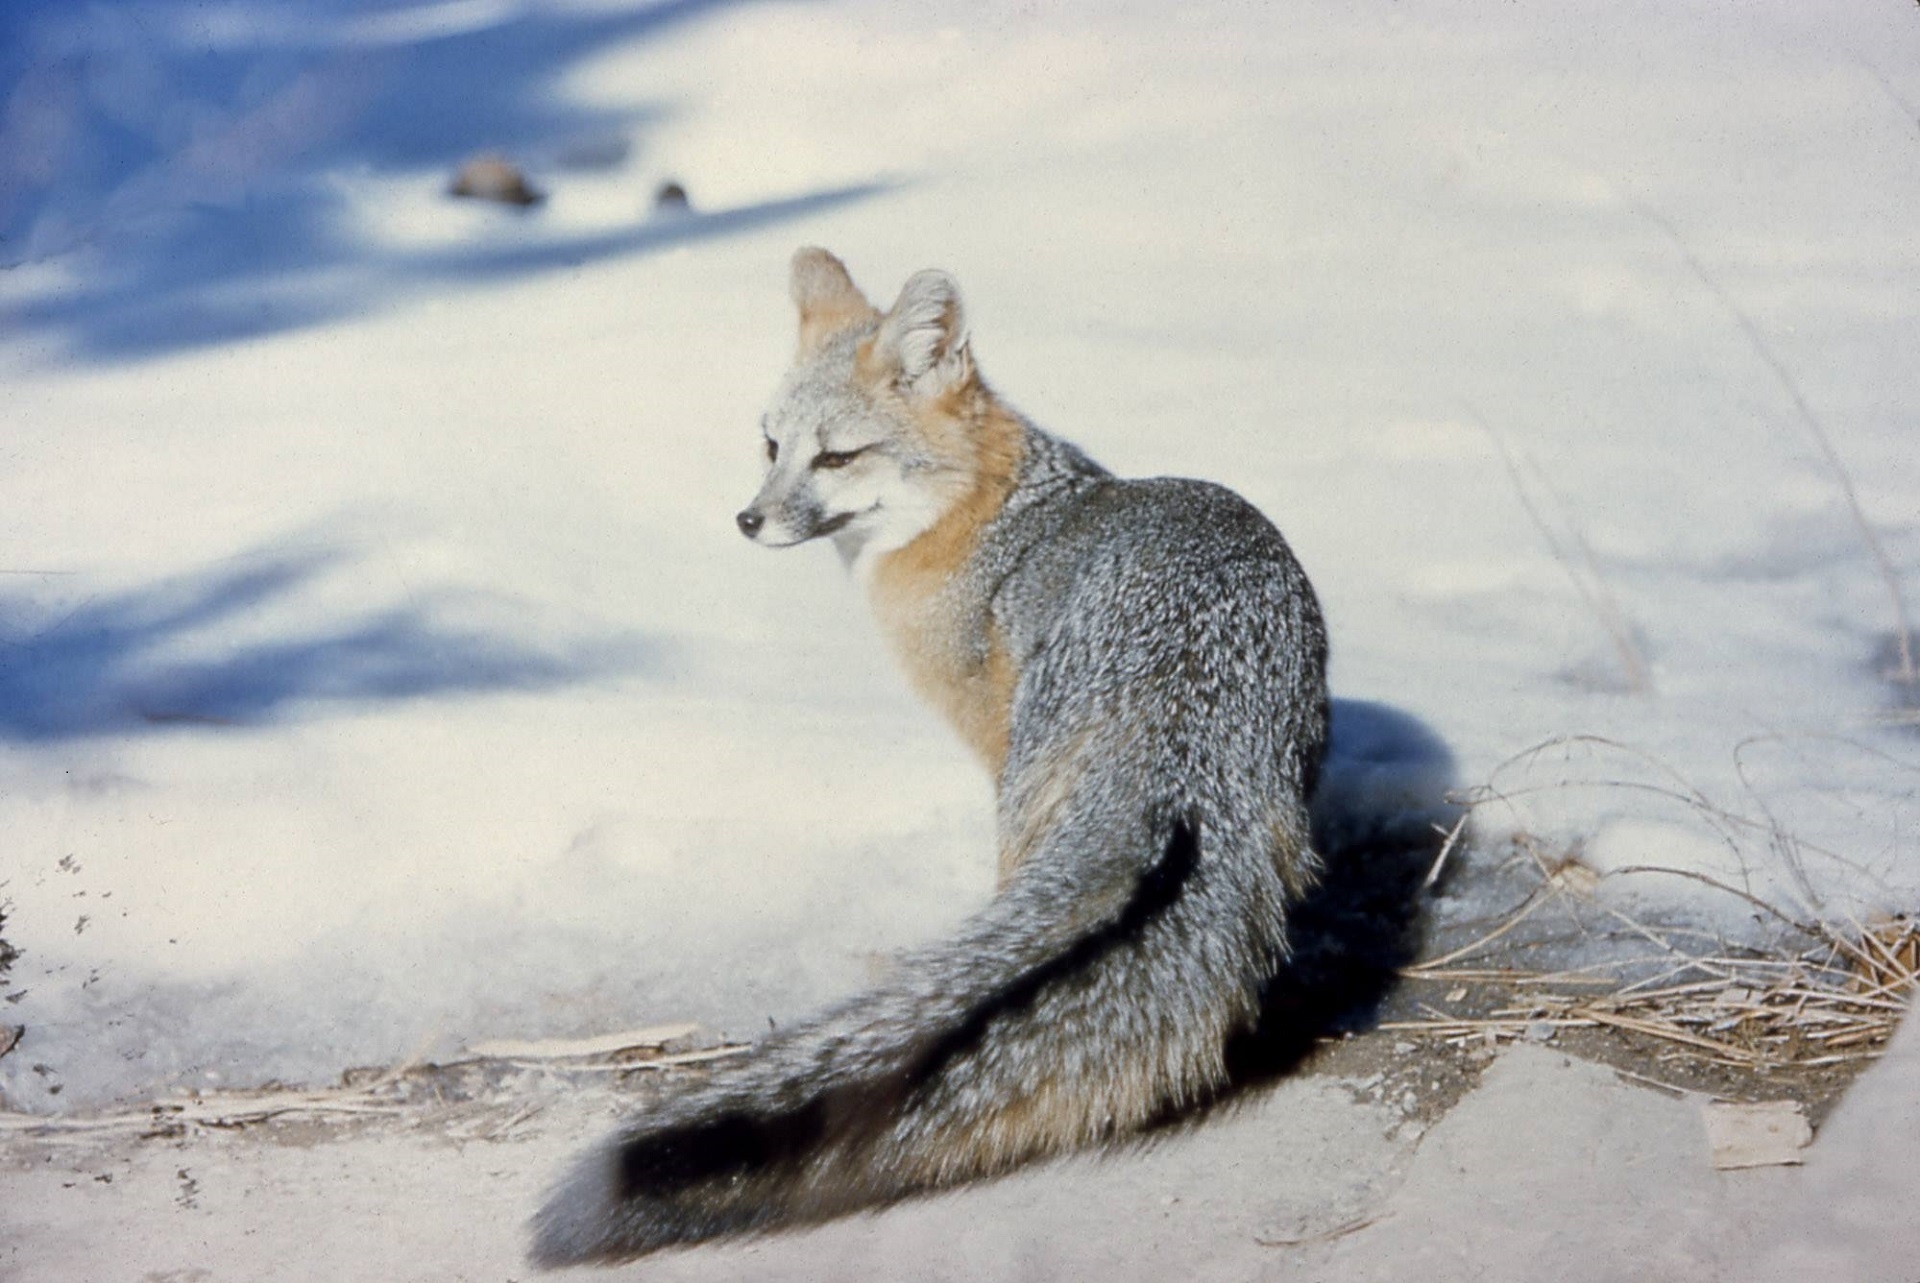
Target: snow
[{"x": 380, "y": 671}]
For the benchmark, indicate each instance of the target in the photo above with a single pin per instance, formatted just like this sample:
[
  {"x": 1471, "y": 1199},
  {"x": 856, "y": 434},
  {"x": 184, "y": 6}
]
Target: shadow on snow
[
  {"x": 189, "y": 155},
  {"x": 1378, "y": 818},
  {"x": 186, "y": 652}
]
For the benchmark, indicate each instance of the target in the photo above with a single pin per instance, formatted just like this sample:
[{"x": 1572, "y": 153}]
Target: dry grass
[
  {"x": 1810, "y": 1001},
  {"x": 1838, "y": 1002},
  {"x": 373, "y": 1093}
]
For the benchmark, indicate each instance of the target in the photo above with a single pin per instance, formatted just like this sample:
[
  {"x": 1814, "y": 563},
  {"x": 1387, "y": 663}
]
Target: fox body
[{"x": 1140, "y": 665}]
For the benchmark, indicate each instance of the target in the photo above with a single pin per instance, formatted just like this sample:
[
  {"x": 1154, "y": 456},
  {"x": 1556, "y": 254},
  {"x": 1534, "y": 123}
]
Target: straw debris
[
  {"x": 1834, "y": 1003},
  {"x": 489, "y": 1078}
]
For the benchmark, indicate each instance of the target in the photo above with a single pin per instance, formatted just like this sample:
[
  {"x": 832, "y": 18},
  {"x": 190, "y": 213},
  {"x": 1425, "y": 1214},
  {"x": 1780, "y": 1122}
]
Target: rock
[
  {"x": 671, "y": 198},
  {"x": 495, "y": 178},
  {"x": 1764, "y": 1134}
]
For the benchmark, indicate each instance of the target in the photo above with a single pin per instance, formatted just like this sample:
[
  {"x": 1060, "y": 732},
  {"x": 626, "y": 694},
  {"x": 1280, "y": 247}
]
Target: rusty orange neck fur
[{"x": 934, "y": 615}]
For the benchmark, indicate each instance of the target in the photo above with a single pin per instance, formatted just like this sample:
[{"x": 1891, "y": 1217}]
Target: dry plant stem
[
  {"x": 1591, "y": 586},
  {"x": 650, "y": 1039},
  {"x": 1650, "y": 985},
  {"x": 1612, "y": 617},
  {"x": 1683, "y": 788},
  {"x": 1324, "y": 1236},
  {"x": 632, "y": 1066},
  {"x": 1906, "y": 108},
  {"x": 1654, "y": 1029},
  {"x": 1903, "y": 629},
  {"x": 215, "y": 1113},
  {"x": 1509, "y": 975},
  {"x": 1731, "y": 826},
  {"x": 1724, "y": 822},
  {"x": 1889, "y": 959},
  {"x": 1446, "y": 849},
  {"x": 1791, "y": 846},
  {"x": 1520, "y": 915},
  {"x": 495, "y": 1133},
  {"x": 1788, "y": 849},
  {"x": 1678, "y": 1093},
  {"x": 1716, "y": 884}
]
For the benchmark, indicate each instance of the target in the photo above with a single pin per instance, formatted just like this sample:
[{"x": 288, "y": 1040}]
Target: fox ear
[
  {"x": 828, "y": 299},
  {"x": 924, "y": 338}
]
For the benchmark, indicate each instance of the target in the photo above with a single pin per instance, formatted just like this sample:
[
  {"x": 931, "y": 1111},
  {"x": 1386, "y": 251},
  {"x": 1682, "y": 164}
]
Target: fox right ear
[
  {"x": 924, "y": 338},
  {"x": 828, "y": 299}
]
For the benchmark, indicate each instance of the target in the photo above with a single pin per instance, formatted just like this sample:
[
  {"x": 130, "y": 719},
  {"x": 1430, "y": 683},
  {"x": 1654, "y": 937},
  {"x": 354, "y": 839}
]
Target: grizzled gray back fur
[{"x": 1168, "y": 717}]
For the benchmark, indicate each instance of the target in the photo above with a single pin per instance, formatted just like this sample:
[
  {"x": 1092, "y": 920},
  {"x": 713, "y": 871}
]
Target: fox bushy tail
[{"x": 1092, "y": 997}]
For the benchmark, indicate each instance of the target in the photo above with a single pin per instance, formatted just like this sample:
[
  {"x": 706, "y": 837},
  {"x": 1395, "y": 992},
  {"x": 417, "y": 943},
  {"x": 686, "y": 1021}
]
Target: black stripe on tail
[
  {"x": 1159, "y": 887},
  {"x": 741, "y": 1142}
]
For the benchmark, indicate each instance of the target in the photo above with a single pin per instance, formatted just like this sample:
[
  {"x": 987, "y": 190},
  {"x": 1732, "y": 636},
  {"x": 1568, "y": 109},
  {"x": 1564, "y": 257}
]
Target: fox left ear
[
  {"x": 924, "y": 338},
  {"x": 828, "y": 299}
]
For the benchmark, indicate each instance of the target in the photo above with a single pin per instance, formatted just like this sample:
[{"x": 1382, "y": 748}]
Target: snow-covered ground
[{"x": 380, "y": 670}]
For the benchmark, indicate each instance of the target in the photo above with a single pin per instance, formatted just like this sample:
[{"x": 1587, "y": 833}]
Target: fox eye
[
  {"x": 773, "y": 449},
  {"x": 835, "y": 458}
]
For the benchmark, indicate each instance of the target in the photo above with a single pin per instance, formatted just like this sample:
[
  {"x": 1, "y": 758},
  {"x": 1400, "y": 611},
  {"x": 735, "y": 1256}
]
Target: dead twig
[
  {"x": 1588, "y": 581},
  {"x": 1907, "y": 673}
]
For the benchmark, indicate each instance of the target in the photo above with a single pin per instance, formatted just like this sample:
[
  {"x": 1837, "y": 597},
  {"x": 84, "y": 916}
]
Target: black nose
[{"x": 750, "y": 522}]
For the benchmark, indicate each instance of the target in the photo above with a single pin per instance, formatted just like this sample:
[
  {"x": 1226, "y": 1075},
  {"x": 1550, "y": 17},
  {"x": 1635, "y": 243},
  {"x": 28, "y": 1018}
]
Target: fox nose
[{"x": 750, "y": 522}]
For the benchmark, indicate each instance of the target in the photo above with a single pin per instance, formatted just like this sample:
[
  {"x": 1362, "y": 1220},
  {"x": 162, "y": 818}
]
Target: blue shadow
[
  {"x": 1387, "y": 778},
  {"x": 115, "y": 665},
  {"x": 186, "y": 154},
  {"x": 1380, "y": 814}
]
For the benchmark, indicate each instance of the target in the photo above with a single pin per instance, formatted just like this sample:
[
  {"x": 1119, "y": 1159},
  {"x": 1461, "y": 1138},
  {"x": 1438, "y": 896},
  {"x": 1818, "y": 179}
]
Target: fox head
[{"x": 874, "y": 432}]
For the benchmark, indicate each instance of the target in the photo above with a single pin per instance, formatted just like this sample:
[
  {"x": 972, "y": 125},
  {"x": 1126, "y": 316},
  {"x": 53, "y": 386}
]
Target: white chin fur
[
  {"x": 777, "y": 537},
  {"x": 892, "y": 525}
]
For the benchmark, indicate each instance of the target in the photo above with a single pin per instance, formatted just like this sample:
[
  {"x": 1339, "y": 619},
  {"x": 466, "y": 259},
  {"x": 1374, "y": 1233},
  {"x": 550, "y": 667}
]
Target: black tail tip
[{"x": 606, "y": 1209}]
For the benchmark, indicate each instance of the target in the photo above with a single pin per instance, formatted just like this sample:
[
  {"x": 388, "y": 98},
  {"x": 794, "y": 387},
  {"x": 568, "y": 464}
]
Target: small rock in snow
[{"x": 495, "y": 178}]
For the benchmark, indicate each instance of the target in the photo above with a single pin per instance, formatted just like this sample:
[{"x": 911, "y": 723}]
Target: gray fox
[{"x": 1141, "y": 666}]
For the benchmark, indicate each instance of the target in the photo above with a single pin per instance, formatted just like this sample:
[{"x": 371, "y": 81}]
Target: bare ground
[{"x": 1385, "y": 1156}]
